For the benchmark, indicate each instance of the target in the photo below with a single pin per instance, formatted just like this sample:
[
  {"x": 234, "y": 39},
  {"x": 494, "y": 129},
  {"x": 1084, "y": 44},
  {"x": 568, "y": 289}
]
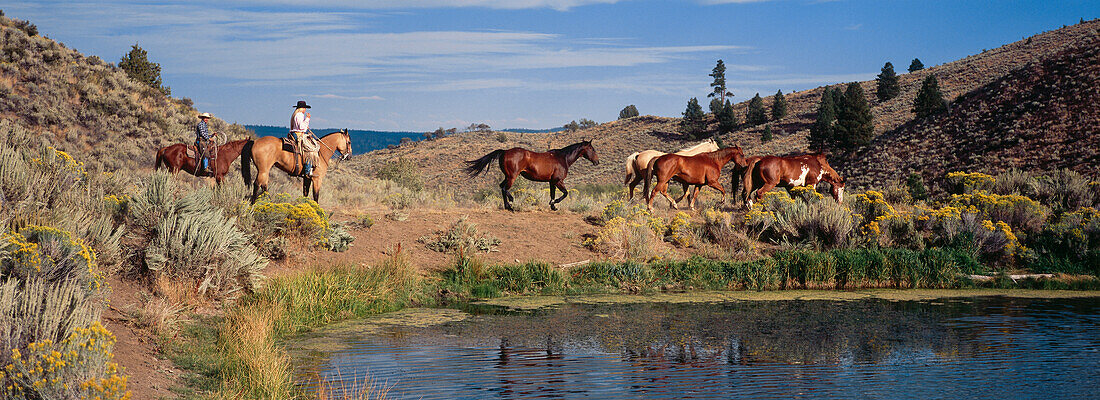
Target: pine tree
[
  {"x": 694, "y": 122},
  {"x": 854, "y": 124},
  {"x": 628, "y": 112},
  {"x": 916, "y": 186},
  {"x": 821, "y": 133},
  {"x": 929, "y": 99},
  {"x": 719, "y": 84},
  {"x": 727, "y": 119},
  {"x": 137, "y": 66},
  {"x": 767, "y": 135},
  {"x": 779, "y": 106},
  {"x": 757, "y": 115},
  {"x": 916, "y": 65},
  {"x": 887, "y": 83}
]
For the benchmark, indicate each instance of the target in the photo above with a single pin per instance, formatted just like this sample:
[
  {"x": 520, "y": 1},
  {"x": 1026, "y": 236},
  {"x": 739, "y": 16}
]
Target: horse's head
[
  {"x": 832, "y": 177},
  {"x": 344, "y": 147},
  {"x": 733, "y": 153},
  {"x": 589, "y": 152}
]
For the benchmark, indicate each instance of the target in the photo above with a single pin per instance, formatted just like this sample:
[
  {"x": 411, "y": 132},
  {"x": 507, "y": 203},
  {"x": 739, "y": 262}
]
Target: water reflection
[{"x": 982, "y": 347}]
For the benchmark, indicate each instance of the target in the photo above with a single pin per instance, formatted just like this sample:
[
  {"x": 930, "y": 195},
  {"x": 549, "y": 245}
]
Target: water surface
[{"x": 986, "y": 347}]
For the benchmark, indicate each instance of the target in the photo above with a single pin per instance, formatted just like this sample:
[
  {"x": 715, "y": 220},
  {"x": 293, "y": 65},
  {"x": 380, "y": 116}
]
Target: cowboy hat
[
  {"x": 302, "y": 104},
  {"x": 205, "y": 115}
]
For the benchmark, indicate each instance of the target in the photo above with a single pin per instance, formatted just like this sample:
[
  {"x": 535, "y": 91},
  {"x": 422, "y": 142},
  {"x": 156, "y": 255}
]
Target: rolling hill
[{"x": 1053, "y": 71}]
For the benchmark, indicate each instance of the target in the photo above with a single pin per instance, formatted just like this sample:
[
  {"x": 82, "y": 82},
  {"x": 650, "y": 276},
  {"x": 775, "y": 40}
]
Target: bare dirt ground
[{"x": 150, "y": 375}]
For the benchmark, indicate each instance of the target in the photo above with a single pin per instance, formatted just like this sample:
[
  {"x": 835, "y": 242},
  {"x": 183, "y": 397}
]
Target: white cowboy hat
[{"x": 205, "y": 115}]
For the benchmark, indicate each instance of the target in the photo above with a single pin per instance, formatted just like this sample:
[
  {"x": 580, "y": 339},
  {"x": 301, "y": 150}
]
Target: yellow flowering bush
[
  {"x": 780, "y": 218},
  {"x": 298, "y": 216},
  {"x": 678, "y": 231},
  {"x": 78, "y": 367},
  {"x": 1016, "y": 210},
  {"x": 967, "y": 182},
  {"x": 807, "y": 193},
  {"x": 631, "y": 235}
]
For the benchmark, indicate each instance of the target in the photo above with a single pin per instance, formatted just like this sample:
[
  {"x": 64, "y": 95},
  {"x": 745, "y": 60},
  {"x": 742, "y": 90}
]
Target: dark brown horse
[
  {"x": 698, "y": 170},
  {"x": 551, "y": 166},
  {"x": 175, "y": 158},
  {"x": 771, "y": 171}
]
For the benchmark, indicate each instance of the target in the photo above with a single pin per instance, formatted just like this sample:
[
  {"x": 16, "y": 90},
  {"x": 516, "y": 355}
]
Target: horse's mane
[
  {"x": 570, "y": 151},
  {"x": 697, "y": 145}
]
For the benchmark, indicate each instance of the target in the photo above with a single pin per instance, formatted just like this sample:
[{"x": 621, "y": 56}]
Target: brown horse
[
  {"x": 551, "y": 166},
  {"x": 270, "y": 151},
  {"x": 637, "y": 164},
  {"x": 771, "y": 171},
  {"x": 175, "y": 158},
  {"x": 701, "y": 169}
]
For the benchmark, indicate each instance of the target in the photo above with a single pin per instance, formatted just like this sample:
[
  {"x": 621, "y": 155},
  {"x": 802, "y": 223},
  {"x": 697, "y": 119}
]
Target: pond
[{"x": 981, "y": 347}]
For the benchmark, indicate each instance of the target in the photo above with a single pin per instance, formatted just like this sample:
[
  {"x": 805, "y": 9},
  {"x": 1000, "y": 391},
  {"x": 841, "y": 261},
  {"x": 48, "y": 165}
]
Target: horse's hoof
[{"x": 553, "y": 207}]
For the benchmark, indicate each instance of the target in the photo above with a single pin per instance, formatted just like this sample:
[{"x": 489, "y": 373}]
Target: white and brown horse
[
  {"x": 270, "y": 151},
  {"x": 637, "y": 164},
  {"x": 763, "y": 175}
]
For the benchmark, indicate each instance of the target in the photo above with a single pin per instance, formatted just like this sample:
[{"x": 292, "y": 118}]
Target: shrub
[
  {"x": 462, "y": 236},
  {"x": 403, "y": 172},
  {"x": 780, "y": 218},
  {"x": 1015, "y": 181},
  {"x": 502, "y": 137},
  {"x": 628, "y": 112},
  {"x": 628, "y": 235},
  {"x": 1018, "y": 211},
  {"x": 1071, "y": 245},
  {"x": 966, "y": 182},
  {"x": 1066, "y": 190}
]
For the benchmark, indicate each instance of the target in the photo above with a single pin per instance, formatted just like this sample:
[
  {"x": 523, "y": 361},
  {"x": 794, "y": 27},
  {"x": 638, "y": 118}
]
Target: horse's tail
[
  {"x": 480, "y": 165},
  {"x": 246, "y": 163},
  {"x": 630, "y": 167},
  {"x": 746, "y": 178},
  {"x": 159, "y": 161},
  {"x": 649, "y": 177}
]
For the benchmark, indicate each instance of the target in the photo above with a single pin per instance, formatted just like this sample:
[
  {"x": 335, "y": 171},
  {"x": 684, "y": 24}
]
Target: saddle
[{"x": 291, "y": 145}]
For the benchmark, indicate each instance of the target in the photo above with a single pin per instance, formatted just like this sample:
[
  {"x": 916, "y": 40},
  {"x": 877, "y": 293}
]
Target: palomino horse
[
  {"x": 771, "y": 171},
  {"x": 701, "y": 169},
  {"x": 637, "y": 164},
  {"x": 551, "y": 166},
  {"x": 270, "y": 151},
  {"x": 175, "y": 158}
]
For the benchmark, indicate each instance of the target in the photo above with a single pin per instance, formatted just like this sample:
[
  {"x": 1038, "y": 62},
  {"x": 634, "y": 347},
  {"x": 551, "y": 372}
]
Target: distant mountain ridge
[{"x": 361, "y": 140}]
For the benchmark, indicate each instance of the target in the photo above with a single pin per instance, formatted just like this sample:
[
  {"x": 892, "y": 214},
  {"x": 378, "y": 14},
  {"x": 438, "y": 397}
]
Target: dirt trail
[
  {"x": 150, "y": 374},
  {"x": 553, "y": 237}
]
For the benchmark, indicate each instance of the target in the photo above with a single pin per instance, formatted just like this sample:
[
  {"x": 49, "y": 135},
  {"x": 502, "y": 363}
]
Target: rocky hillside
[
  {"x": 85, "y": 106},
  {"x": 1043, "y": 116},
  {"x": 973, "y": 84}
]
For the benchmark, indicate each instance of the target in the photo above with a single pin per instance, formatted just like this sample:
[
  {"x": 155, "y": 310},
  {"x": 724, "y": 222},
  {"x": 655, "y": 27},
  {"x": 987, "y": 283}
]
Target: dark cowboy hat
[{"x": 302, "y": 104}]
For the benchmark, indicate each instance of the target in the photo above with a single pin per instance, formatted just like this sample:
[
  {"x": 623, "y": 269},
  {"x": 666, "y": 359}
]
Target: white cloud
[
  {"x": 340, "y": 97},
  {"x": 853, "y": 27}
]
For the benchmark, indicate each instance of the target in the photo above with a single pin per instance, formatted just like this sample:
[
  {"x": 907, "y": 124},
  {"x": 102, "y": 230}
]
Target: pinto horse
[
  {"x": 268, "y": 151},
  {"x": 637, "y": 164},
  {"x": 551, "y": 166},
  {"x": 175, "y": 158},
  {"x": 698, "y": 170},
  {"x": 771, "y": 171}
]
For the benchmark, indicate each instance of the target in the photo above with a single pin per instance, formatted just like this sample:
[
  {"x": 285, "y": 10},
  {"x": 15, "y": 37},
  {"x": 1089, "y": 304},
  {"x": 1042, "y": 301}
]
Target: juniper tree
[
  {"x": 779, "y": 106},
  {"x": 572, "y": 126},
  {"x": 137, "y": 66},
  {"x": 929, "y": 99},
  {"x": 854, "y": 124},
  {"x": 767, "y": 135},
  {"x": 694, "y": 122},
  {"x": 628, "y": 112},
  {"x": 756, "y": 115},
  {"x": 887, "y": 86},
  {"x": 586, "y": 123},
  {"x": 719, "y": 84},
  {"x": 916, "y": 65},
  {"x": 727, "y": 119},
  {"x": 821, "y": 133}
]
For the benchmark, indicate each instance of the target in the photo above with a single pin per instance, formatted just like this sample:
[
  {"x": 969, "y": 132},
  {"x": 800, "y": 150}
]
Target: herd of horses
[{"x": 692, "y": 167}]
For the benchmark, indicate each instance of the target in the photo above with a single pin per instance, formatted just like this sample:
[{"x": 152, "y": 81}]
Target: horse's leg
[
  {"x": 694, "y": 195},
  {"x": 768, "y": 186},
  {"x": 305, "y": 186},
  {"x": 634, "y": 183},
  {"x": 685, "y": 189},
  {"x": 317, "y": 187},
  {"x": 505, "y": 185},
  {"x": 714, "y": 183},
  {"x": 564, "y": 193},
  {"x": 260, "y": 185}
]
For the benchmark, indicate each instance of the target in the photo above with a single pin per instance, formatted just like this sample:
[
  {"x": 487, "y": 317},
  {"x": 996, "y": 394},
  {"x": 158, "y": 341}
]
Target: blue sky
[{"x": 422, "y": 64}]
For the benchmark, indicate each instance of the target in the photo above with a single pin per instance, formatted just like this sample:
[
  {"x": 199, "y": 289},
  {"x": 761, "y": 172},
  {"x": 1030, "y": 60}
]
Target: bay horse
[
  {"x": 698, "y": 170},
  {"x": 551, "y": 166},
  {"x": 808, "y": 169},
  {"x": 637, "y": 164},
  {"x": 269, "y": 151},
  {"x": 174, "y": 158}
]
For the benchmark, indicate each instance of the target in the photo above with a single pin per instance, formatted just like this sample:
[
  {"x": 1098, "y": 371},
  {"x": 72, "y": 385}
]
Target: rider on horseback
[
  {"x": 203, "y": 140},
  {"x": 303, "y": 137}
]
